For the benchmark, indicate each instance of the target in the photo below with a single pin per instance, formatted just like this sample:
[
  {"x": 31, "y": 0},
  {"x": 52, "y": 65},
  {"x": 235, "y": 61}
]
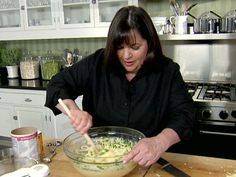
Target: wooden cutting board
[{"x": 195, "y": 166}]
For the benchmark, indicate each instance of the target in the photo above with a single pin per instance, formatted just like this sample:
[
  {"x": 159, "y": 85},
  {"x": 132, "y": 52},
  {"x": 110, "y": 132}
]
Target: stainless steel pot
[
  {"x": 208, "y": 22},
  {"x": 228, "y": 22}
]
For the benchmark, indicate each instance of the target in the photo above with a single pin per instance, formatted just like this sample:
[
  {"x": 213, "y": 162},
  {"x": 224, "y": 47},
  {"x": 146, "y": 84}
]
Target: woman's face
[{"x": 132, "y": 55}]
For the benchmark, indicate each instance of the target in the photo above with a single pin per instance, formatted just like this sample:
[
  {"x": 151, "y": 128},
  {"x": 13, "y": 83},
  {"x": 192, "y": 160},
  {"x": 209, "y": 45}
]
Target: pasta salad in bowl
[{"x": 113, "y": 143}]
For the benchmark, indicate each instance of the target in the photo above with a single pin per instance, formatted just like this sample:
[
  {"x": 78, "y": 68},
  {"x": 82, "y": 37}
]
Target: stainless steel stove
[
  {"x": 215, "y": 128},
  {"x": 215, "y": 102}
]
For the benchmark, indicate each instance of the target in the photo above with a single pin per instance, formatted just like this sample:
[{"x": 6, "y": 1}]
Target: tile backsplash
[{"x": 40, "y": 47}]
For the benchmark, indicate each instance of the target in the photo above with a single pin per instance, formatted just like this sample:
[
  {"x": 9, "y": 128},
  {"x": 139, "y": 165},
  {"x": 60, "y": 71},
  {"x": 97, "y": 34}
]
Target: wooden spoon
[{"x": 85, "y": 135}]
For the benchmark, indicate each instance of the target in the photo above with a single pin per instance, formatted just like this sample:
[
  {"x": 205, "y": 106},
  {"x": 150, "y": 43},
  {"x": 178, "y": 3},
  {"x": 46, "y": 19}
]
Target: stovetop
[
  {"x": 215, "y": 102},
  {"x": 212, "y": 91}
]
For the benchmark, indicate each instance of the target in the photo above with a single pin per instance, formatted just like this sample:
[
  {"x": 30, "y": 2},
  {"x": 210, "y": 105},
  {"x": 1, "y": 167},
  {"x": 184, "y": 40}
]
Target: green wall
[
  {"x": 162, "y": 8},
  {"x": 86, "y": 46}
]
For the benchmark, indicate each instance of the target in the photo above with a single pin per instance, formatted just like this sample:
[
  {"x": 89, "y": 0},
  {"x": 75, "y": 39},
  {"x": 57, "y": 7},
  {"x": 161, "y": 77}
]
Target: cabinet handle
[
  {"x": 15, "y": 117},
  {"x": 28, "y": 100},
  {"x": 50, "y": 119},
  {"x": 22, "y": 7},
  {"x": 46, "y": 118},
  {"x": 93, "y": 1},
  {"x": 0, "y": 98}
]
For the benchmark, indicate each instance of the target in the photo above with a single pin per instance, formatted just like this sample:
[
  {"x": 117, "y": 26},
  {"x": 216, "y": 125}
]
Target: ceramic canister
[{"x": 25, "y": 142}]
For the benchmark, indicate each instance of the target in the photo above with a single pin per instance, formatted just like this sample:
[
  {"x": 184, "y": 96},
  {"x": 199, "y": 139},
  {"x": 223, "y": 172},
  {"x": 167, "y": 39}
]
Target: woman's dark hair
[{"x": 125, "y": 21}]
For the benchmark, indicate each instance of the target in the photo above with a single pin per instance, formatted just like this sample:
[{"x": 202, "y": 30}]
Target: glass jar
[
  {"x": 29, "y": 67},
  {"x": 50, "y": 66}
]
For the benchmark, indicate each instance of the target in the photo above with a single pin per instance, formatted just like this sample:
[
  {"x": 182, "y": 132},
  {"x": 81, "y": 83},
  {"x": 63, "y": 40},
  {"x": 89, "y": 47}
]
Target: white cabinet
[
  {"x": 87, "y": 13},
  {"x": 35, "y": 117},
  {"x": 20, "y": 108},
  {"x": 10, "y": 15},
  {"x": 19, "y": 15},
  {"x": 62, "y": 122},
  {"x": 25, "y": 108},
  {"x": 7, "y": 121},
  {"x": 51, "y": 19}
]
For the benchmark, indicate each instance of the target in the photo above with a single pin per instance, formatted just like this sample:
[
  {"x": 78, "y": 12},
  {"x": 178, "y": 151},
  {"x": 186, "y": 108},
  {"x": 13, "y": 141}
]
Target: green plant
[
  {"x": 2, "y": 47},
  {"x": 10, "y": 56}
]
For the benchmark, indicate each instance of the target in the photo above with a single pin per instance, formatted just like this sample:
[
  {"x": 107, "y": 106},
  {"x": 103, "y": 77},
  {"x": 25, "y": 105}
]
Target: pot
[
  {"x": 228, "y": 22},
  {"x": 208, "y": 22}
]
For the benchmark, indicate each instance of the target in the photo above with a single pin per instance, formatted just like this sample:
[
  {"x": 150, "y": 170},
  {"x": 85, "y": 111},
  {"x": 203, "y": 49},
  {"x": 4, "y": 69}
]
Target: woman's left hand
[{"x": 146, "y": 152}]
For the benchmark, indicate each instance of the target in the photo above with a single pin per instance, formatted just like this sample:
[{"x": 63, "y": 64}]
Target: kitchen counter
[
  {"x": 17, "y": 83},
  {"x": 195, "y": 166}
]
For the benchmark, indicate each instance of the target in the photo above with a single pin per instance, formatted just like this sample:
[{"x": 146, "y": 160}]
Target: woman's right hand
[{"x": 81, "y": 120}]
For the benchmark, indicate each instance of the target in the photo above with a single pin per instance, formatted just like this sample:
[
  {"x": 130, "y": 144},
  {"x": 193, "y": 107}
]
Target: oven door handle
[{"x": 217, "y": 133}]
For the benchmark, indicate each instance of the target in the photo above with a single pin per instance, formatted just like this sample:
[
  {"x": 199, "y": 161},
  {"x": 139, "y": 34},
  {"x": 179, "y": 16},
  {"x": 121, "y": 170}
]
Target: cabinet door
[
  {"x": 10, "y": 15},
  {"x": 35, "y": 117},
  {"x": 39, "y": 14},
  {"x": 7, "y": 120},
  {"x": 76, "y": 13},
  {"x": 105, "y": 10}
]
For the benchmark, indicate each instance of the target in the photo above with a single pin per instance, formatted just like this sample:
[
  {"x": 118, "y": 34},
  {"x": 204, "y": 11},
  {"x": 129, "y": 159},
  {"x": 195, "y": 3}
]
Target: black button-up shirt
[{"x": 156, "y": 98}]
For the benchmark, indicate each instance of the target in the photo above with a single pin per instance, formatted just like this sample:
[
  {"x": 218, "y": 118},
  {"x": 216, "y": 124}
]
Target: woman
[{"x": 129, "y": 83}]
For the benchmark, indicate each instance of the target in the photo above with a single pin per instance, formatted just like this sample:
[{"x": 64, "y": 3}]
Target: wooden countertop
[{"x": 195, "y": 166}]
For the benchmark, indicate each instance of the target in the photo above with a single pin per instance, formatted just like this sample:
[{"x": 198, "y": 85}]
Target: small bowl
[{"x": 92, "y": 164}]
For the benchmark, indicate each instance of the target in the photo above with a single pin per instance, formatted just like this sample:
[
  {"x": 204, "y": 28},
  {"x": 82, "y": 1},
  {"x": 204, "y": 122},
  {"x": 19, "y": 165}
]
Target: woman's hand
[
  {"x": 148, "y": 150},
  {"x": 81, "y": 120}
]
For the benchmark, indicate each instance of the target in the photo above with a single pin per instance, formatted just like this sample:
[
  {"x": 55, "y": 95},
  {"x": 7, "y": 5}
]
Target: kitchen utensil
[
  {"x": 52, "y": 149},
  {"x": 171, "y": 169},
  {"x": 69, "y": 114},
  {"x": 176, "y": 5},
  {"x": 189, "y": 8},
  {"x": 102, "y": 165},
  {"x": 173, "y": 8},
  {"x": 48, "y": 159}
]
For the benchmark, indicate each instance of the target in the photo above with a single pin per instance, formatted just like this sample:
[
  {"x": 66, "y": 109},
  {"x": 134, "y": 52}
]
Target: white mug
[{"x": 180, "y": 23}]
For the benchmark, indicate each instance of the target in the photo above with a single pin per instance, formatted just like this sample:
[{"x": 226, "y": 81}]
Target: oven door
[{"x": 210, "y": 140}]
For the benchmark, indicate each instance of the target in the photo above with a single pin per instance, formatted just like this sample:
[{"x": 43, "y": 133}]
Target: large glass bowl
[{"x": 95, "y": 164}]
